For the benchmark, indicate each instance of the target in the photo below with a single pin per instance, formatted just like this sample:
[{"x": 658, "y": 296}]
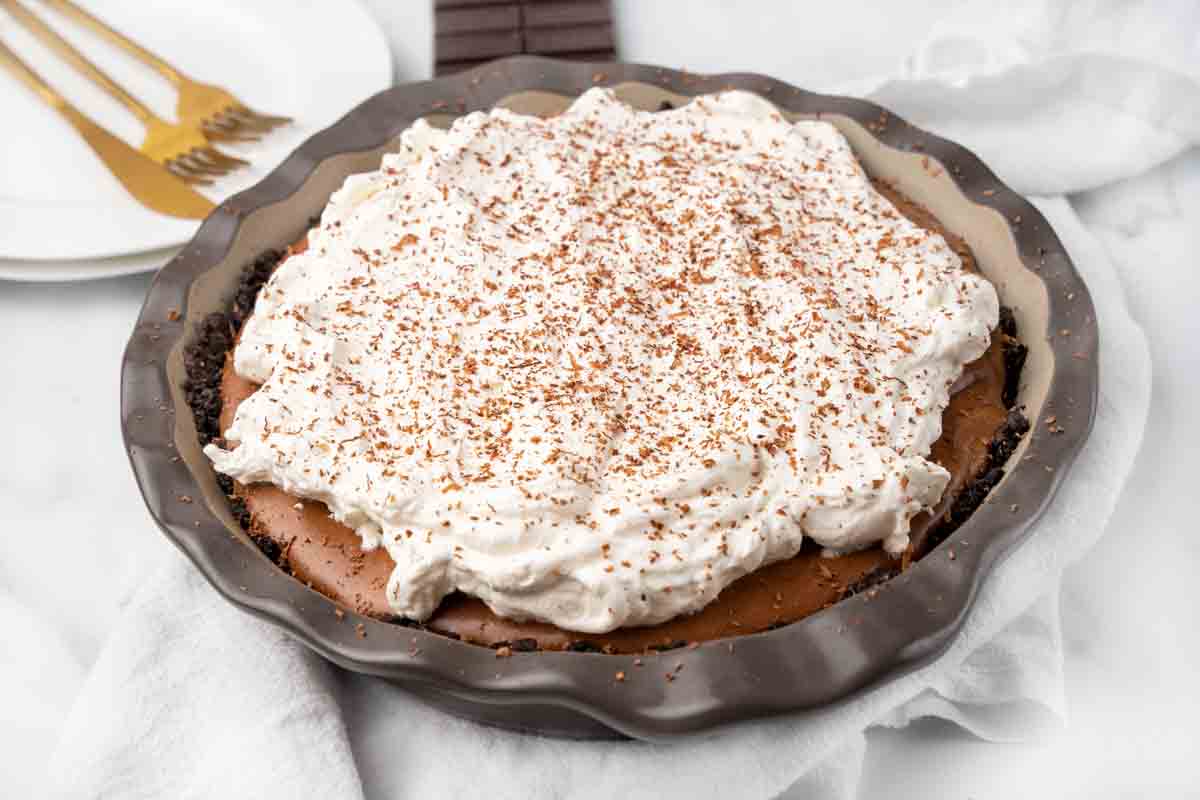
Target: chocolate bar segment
[
  {"x": 457, "y": 21},
  {"x": 471, "y": 32}
]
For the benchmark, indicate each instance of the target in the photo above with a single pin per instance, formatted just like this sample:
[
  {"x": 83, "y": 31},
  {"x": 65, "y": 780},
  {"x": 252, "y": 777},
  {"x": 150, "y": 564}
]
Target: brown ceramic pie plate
[{"x": 820, "y": 660}]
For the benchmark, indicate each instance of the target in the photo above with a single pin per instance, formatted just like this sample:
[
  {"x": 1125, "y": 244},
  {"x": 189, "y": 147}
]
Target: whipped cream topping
[{"x": 594, "y": 368}]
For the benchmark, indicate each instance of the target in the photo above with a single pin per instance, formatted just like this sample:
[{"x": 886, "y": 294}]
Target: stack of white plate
[{"x": 62, "y": 214}]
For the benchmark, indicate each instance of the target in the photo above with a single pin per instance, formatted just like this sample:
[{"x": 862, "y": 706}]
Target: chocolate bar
[{"x": 472, "y": 32}]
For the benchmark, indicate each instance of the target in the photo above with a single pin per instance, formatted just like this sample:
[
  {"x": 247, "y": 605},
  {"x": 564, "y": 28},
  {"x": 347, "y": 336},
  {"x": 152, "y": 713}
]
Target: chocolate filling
[{"x": 980, "y": 429}]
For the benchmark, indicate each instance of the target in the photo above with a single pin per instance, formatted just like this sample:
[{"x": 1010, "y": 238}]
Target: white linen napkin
[{"x": 191, "y": 698}]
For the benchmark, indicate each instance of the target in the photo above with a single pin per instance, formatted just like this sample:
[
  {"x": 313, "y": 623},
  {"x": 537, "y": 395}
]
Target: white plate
[
  {"x": 85, "y": 269},
  {"x": 311, "y": 61}
]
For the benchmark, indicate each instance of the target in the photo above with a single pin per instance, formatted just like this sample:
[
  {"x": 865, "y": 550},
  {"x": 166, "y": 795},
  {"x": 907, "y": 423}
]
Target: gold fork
[
  {"x": 183, "y": 150},
  {"x": 148, "y": 182},
  {"x": 209, "y": 108}
]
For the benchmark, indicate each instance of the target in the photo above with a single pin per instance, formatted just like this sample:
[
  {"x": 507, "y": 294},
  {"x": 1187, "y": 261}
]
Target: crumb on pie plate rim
[{"x": 819, "y": 660}]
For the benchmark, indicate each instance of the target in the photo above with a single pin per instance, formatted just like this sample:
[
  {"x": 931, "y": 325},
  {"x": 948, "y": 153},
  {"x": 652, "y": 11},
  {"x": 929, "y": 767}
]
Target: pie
[{"x": 612, "y": 381}]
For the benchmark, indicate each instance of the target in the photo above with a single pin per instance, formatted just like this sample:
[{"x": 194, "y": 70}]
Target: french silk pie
[{"x": 611, "y": 380}]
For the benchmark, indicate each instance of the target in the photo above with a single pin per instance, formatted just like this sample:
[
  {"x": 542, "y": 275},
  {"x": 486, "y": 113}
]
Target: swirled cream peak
[{"x": 592, "y": 369}]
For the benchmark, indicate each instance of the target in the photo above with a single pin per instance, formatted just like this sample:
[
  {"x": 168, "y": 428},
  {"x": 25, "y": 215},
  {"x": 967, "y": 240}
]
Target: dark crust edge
[{"x": 204, "y": 361}]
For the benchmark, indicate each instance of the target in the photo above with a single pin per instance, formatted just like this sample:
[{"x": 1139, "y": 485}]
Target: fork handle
[
  {"x": 122, "y": 41},
  {"x": 77, "y": 59},
  {"x": 25, "y": 73}
]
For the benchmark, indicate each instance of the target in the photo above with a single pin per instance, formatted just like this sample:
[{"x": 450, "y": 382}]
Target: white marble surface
[{"x": 1129, "y": 608}]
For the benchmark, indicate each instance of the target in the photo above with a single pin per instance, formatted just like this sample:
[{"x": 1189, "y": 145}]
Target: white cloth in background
[{"x": 191, "y": 698}]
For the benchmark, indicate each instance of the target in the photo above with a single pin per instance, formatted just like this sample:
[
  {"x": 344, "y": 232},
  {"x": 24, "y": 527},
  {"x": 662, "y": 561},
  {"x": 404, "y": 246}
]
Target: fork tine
[
  {"x": 228, "y": 131},
  {"x": 248, "y": 125},
  {"x": 199, "y": 166},
  {"x": 230, "y": 136},
  {"x": 206, "y": 163},
  {"x": 256, "y": 120},
  {"x": 238, "y": 117},
  {"x": 273, "y": 120},
  {"x": 222, "y": 125},
  {"x": 186, "y": 174},
  {"x": 267, "y": 119},
  {"x": 242, "y": 125},
  {"x": 224, "y": 120},
  {"x": 221, "y": 159}
]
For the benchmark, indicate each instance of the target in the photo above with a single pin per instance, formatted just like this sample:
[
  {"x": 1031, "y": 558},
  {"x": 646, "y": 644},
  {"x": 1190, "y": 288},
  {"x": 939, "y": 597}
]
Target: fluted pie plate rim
[{"x": 823, "y": 659}]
